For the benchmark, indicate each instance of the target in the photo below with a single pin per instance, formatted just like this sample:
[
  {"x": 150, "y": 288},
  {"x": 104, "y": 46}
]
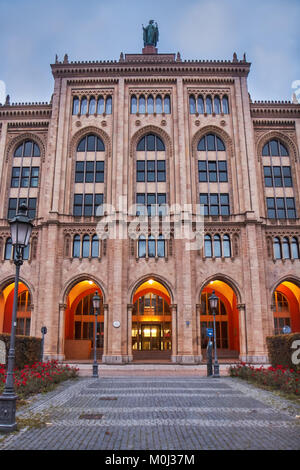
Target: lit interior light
[
  {"x": 91, "y": 282},
  {"x": 150, "y": 281}
]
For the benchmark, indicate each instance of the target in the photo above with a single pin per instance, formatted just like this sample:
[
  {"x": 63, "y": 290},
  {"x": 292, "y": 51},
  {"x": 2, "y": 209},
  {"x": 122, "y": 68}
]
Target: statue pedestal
[{"x": 149, "y": 50}]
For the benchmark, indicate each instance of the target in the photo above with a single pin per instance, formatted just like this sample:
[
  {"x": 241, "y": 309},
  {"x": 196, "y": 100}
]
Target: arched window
[
  {"x": 83, "y": 108},
  {"x": 100, "y": 105},
  {"x": 167, "y": 104},
  {"x": 95, "y": 246},
  {"x": 133, "y": 105},
  {"x": 208, "y": 105},
  {"x": 92, "y": 105},
  {"x": 295, "y": 248},
  {"x": 23, "y": 313},
  {"x": 211, "y": 142},
  {"x": 207, "y": 246},
  {"x": 275, "y": 148},
  {"x": 192, "y": 104},
  {"x": 26, "y": 252},
  {"x": 217, "y": 105},
  {"x": 225, "y": 105},
  {"x": 142, "y": 104},
  {"x": 85, "y": 246},
  {"x": 282, "y": 316},
  {"x": 151, "y": 246},
  {"x": 286, "y": 248},
  {"x": 277, "y": 248},
  {"x": 91, "y": 143},
  {"x": 200, "y": 103},
  {"x": 76, "y": 246},
  {"x": 75, "y": 109},
  {"x": 150, "y": 105},
  {"x": 8, "y": 249},
  {"x": 108, "y": 105},
  {"x": 27, "y": 148},
  {"x": 217, "y": 246},
  {"x": 142, "y": 246},
  {"x": 226, "y": 246},
  {"x": 161, "y": 249},
  {"x": 158, "y": 104},
  {"x": 150, "y": 142}
]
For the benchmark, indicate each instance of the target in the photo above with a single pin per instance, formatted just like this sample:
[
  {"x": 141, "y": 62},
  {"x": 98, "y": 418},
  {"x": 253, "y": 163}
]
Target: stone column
[
  {"x": 243, "y": 333},
  {"x": 129, "y": 333},
  {"x": 61, "y": 333},
  {"x": 105, "y": 339},
  {"x": 173, "y": 308},
  {"x": 198, "y": 333}
]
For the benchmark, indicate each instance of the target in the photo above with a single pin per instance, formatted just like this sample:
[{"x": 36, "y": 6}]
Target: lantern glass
[
  {"x": 20, "y": 232},
  {"x": 213, "y": 301},
  {"x": 96, "y": 301}
]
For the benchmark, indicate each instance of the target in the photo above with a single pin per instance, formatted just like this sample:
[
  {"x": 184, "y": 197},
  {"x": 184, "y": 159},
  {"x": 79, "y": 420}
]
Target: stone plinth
[{"x": 149, "y": 50}]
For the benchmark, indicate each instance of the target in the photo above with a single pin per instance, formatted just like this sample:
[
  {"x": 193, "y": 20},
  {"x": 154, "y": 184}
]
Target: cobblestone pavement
[{"x": 156, "y": 413}]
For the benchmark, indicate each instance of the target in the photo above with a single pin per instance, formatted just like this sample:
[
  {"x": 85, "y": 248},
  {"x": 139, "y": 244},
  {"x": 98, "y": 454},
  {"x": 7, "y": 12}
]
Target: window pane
[
  {"x": 100, "y": 145},
  {"x": 78, "y": 199},
  {"x": 200, "y": 103},
  {"x": 81, "y": 145},
  {"x": 208, "y": 105},
  {"x": 86, "y": 246},
  {"x": 142, "y": 247},
  {"x": 133, "y": 108},
  {"x": 91, "y": 143},
  {"x": 150, "y": 105},
  {"x": 98, "y": 209},
  {"x": 28, "y": 149},
  {"x": 76, "y": 246},
  {"x": 99, "y": 172},
  {"x": 274, "y": 147},
  {"x": 18, "y": 151},
  {"x": 217, "y": 246},
  {"x": 210, "y": 139},
  {"x": 167, "y": 104},
  {"x": 100, "y": 105},
  {"x": 158, "y": 107},
  {"x": 283, "y": 150},
  {"x": 141, "y": 144},
  {"x": 151, "y": 247},
  {"x": 225, "y": 105},
  {"x": 277, "y": 248},
  {"x": 83, "y": 109},
  {"x": 142, "y": 105},
  {"x": 108, "y": 107},
  {"x": 207, "y": 246},
  {"x": 95, "y": 246},
  {"x": 295, "y": 248},
  {"x": 220, "y": 145},
  {"x": 161, "y": 247},
  {"x": 79, "y": 172},
  {"x": 150, "y": 142},
  {"x": 75, "y": 105},
  {"x": 36, "y": 150},
  {"x": 201, "y": 144},
  {"x": 217, "y": 105},
  {"x": 160, "y": 146},
  {"x": 92, "y": 106},
  {"x": 192, "y": 105},
  {"x": 226, "y": 246}
]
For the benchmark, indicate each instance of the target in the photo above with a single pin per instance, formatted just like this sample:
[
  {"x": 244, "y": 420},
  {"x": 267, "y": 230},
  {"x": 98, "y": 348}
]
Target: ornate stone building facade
[{"x": 152, "y": 129}]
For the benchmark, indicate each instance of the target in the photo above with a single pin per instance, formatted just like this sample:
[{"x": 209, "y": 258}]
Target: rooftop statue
[{"x": 150, "y": 34}]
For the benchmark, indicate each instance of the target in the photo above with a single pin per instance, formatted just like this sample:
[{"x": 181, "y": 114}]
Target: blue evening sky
[{"x": 33, "y": 31}]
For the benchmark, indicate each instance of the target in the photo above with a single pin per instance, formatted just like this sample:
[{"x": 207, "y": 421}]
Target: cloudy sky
[{"x": 33, "y": 31}]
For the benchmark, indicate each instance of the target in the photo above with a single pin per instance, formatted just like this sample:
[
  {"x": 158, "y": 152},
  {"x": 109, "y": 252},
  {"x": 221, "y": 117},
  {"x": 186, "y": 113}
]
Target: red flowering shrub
[
  {"x": 278, "y": 378},
  {"x": 38, "y": 377}
]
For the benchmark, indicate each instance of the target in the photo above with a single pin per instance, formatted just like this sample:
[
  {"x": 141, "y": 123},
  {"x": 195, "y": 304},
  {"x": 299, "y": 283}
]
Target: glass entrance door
[{"x": 151, "y": 337}]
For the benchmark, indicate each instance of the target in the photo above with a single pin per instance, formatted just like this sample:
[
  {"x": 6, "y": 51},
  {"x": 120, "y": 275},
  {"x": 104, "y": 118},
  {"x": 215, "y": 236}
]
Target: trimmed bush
[
  {"x": 280, "y": 350},
  {"x": 27, "y": 349},
  {"x": 274, "y": 378}
]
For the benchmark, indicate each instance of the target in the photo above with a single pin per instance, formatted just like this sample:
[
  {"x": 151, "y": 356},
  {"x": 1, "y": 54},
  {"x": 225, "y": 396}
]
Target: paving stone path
[{"x": 158, "y": 413}]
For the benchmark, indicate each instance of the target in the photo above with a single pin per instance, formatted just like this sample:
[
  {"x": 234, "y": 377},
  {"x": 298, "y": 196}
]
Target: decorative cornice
[
  {"x": 34, "y": 124},
  {"x": 92, "y": 82},
  {"x": 273, "y": 123}
]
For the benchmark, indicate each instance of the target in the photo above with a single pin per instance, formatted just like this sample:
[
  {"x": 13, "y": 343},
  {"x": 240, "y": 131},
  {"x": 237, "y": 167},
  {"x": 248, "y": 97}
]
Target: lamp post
[
  {"x": 213, "y": 302},
  {"x": 20, "y": 229},
  {"x": 96, "y": 305}
]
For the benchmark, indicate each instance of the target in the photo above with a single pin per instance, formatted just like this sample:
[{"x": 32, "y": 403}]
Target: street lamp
[
  {"x": 20, "y": 229},
  {"x": 213, "y": 302},
  {"x": 96, "y": 305}
]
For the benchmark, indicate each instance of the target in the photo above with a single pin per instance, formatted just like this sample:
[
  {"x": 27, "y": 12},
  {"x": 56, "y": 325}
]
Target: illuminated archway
[
  {"x": 80, "y": 321},
  {"x": 23, "y": 309},
  {"x": 151, "y": 318},
  {"x": 227, "y": 317},
  {"x": 286, "y": 307}
]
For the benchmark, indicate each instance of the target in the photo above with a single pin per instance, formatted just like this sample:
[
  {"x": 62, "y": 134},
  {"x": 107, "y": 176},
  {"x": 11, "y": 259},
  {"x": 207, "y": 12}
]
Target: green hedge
[
  {"x": 27, "y": 349},
  {"x": 280, "y": 350}
]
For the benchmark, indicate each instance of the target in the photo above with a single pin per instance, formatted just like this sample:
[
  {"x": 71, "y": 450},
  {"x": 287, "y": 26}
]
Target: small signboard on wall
[{"x": 2, "y": 353}]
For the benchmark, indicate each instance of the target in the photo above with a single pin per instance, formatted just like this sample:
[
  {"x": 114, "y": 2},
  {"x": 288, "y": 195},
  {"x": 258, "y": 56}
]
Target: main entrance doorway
[
  {"x": 80, "y": 322},
  {"x": 227, "y": 323},
  {"x": 151, "y": 321}
]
